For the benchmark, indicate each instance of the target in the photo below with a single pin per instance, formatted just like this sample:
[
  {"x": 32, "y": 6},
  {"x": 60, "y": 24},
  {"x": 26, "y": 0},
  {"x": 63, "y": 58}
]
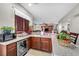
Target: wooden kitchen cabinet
[
  {"x": 26, "y": 25},
  {"x": 18, "y": 23},
  {"x": 21, "y": 24},
  {"x": 11, "y": 49},
  {"x": 46, "y": 44},
  {"x": 8, "y": 50},
  {"x": 43, "y": 44},
  {"x": 35, "y": 42},
  {"x": 40, "y": 43}
]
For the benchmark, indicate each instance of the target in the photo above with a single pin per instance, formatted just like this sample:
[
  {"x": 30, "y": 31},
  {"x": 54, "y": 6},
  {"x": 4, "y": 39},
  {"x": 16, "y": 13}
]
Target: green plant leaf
[{"x": 63, "y": 36}]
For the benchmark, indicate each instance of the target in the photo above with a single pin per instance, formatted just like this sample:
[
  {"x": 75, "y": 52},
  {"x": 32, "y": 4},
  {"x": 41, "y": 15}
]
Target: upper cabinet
[
  {"x": 18, "y": 23},
  {"x": 26, "y": 25},
  {"x": 21, "y": 24}
]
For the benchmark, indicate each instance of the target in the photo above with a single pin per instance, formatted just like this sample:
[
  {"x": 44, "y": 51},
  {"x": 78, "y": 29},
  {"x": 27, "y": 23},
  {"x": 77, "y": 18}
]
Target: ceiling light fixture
[{"x": 30, "y": 4}]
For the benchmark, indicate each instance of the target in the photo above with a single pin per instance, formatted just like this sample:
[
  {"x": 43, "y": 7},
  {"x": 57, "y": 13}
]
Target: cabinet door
[
  {"x": 18, "y": 23},
  {"x": 35, "y": 43},
  {"x": 26, "y": 25},
  {"x": 12, "y": 49},
  {"x": 45, "y": 44}
]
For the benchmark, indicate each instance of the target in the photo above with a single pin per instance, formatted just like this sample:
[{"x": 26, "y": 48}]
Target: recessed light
[{"x": 30, "y": 4}]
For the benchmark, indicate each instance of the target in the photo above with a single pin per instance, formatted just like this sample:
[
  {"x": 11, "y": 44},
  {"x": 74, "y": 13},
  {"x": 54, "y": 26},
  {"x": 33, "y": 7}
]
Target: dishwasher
[{"x": 22, "y": 47}]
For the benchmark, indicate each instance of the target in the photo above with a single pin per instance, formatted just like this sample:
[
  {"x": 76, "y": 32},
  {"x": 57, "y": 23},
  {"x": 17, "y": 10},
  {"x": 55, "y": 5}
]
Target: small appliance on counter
[{"x": 7, "y": 37}]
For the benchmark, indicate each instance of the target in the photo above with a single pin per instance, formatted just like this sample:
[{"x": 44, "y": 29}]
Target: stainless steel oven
[{"x": 22, "y": 48}]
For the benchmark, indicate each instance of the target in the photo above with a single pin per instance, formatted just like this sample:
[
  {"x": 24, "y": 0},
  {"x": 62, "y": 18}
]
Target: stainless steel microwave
[{"x": 7, "y": 37}]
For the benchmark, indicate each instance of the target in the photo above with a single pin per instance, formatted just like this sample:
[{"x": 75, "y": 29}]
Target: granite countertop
[
  {"x": 58, "y": 50},
  {"x": 25, "y": 37}
]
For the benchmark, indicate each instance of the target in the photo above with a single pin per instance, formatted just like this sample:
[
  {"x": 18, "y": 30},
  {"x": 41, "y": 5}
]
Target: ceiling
[{"x": 49, "y": 12}]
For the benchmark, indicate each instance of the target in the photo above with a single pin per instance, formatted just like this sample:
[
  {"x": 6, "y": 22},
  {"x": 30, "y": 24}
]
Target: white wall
[
  {"x": 73, "y": 19},
  {"x": 75, "y": 25},
  {"x": 6, "y": 15}
]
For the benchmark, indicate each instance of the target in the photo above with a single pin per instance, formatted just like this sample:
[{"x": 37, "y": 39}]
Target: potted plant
[
  {"x": 6, "y": 29},
  {"x": 64, "y": 38}
]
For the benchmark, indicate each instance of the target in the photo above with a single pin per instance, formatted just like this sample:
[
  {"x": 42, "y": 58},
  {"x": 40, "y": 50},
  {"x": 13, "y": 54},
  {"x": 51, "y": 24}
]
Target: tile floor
[{"x": 33, "y": 52}]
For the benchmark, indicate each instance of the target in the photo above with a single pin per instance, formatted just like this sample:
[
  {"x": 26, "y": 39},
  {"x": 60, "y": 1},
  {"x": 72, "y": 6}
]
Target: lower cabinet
[
  {"x": 11, "y": 49},
  {"x": 35, "y": 42},
  {"x": 43, "y": 44}
]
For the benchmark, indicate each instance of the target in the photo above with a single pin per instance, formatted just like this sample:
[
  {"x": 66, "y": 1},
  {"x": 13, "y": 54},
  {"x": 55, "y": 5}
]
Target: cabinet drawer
[
  {"x": 12, "y": 49},
  {"x": 12, "y": 52},
  {"x": 10, "y": 46}
]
